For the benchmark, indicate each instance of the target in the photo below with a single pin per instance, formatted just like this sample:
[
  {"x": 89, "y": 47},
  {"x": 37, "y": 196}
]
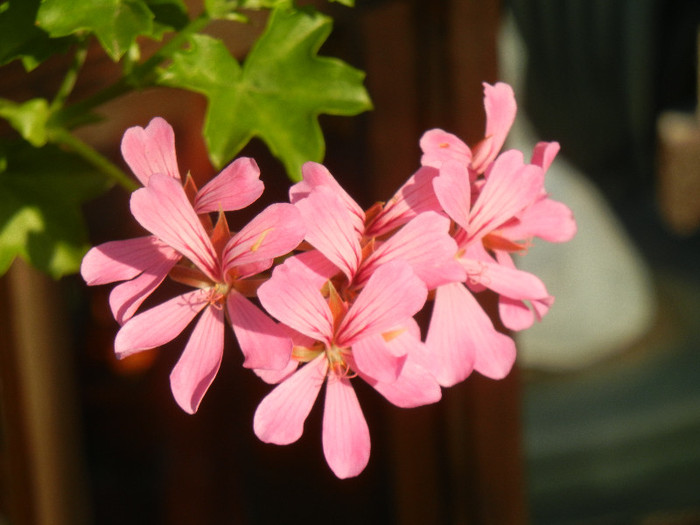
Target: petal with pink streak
[
  {"x": 160, "y": 324},
  {"x": 197, "y": 367},
  {"x": 163, "y": 209},
  {"x": 316, "y": 175},
  {"x": 510, "y": 187},
  {"x": 392, "y": 295},
  {"x": 515, "y": 314},
  {"x": 544, "y": 153},
  {"x": 237, "y": 186},
  {"x": 264, "y": 343},
  {"x": 425, "y": 243},
  {"x": 453, "y": 190},
  {"x": 280, "y": 416},
  {"x": 500, "y": 106},
  {"x": 346, "y": 443},
  {"x": 272, "y": 377},
  {"x": 414, "y": 197},
  {"x": 151, "y": 150},
  {"x": 374, "y": 358},
  {"x": 292, "y": 297},
  {"x": 508, "y": 281},
  {"x": 438, "y": 146},
  {"x": 126, "y": 298},
  {"x": 331, "y": 229},
  {"x": 275, "y": 231},
  {"x": 547, "y": 219},
  {"x": 415, "y": 387},
  {"x": 122, "y": 260},
  {"x": 316, "y": 265}
]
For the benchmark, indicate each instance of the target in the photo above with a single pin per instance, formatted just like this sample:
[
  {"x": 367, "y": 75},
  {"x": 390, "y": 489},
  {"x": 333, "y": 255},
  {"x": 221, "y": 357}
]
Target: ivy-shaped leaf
[
  {"x": 277, "y": 94},
  {"x": 28, "y": 118},
  {"x": 41, "y": 190},
  {"x": 115, "y": 23},
  {"x": 21, "y": 39}
]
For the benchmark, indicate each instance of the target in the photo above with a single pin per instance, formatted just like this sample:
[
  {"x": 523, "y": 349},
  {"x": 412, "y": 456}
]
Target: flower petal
[
  {"x": 123, "y": 260},
  {"x": 414, "y": 387},
  {"x": 151, "y": 150},
  {"x": 346, "y": 443},
  {"x": 500, "y": 106},
  {"x": 263, "y": 342},
  {"x": 237, "y": 186},
  {"x": 160, "y": 324},
  {"x": 195, "y": 370},
  {"x": 453, "y": 190},
  {"x": 414, "y": 197},
  {"x": 510, "y": 187},
  {"x": 331, "y": 229},
  {"x": 438, "y": 146},
  {"x": 424, "y": 243},
  {"x": 280, "y": 416},
  {"x": 163, "y": 209},
  {"x": 374, "y": 359},
  {"x": 275, "y": 231},
  {"x": 543, "y": 154},
  {"x": 392, "y": 295},
  {"x": 292, "y": 297},
  {"x": 317, "y": 175},
  {"x": 126, "y": 298}
]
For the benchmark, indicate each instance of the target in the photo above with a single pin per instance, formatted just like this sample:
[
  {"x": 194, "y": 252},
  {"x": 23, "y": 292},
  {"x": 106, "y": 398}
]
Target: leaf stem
[
  {"x": 91, "y": 155},
  {"x": 69, "y": 80}
]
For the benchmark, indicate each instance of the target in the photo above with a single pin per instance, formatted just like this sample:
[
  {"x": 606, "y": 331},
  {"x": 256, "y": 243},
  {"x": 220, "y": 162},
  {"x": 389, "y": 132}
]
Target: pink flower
[
  {"x": 145, "y": 262},
  {"x": 342, "y": 335},
  {"x": 510, "y": 186},
  {"x": 219, "y": 269}
]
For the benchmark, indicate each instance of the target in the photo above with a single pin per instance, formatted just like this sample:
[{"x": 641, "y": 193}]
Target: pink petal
[
  {"x": 292, "y": 297},
  {"x": 331, "y": 229},
  {"x": 163, "y": 209},
  {"x": 237, "y": 186},
  {"x": 548, "y": 219},
  {"x": 374, "y": 358},
  {"x": 315, "y": 264},
  {"x": 453, "y": 190},
  {"x": 414, "y": 387},
  {"x": 272, "y": 377},
  {"x": 510, "y": 187},
  {"x": 195, "y": 370},
  {"x": 438, "y": 146},
  {"x": 151, "y": 150},
  {"x": 263, "y": 342},
  {"x": 515, "y": 314},
  {"x": 425, "y": 243},
  {"x": 346, "y": 443},
  {"x": 160, "y": 324},
  {"x": 544, "y": 153},
  {"x": 392, "y": 295},
  {"x": 280, "y": 416},
  {"x": 123, "y": 260},
  {"x": 316, "y": 175},
  {"x": 500, "y": 106},
  {"x": 126, "y": 298},
  {"x": 414, "y": 197},
  {"x": 275, "y": 231},
  {"x": 504, "y": 280}
]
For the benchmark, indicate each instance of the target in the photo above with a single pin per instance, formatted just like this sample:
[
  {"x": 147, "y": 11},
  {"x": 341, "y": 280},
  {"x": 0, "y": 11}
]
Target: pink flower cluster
[{"x": 320, "y": 292}]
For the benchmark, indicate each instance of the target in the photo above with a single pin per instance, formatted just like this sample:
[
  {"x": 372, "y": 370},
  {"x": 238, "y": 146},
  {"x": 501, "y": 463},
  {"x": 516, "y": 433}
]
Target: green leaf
[
  {"x": 115, "y": 23},
  {"x": 276, "y": 95},
  {"x": 169, "y": 15},
  {"x": 29, "y": 118},
  {"x": 21, "y": 39},
  {"x": 41, "y": 191}
]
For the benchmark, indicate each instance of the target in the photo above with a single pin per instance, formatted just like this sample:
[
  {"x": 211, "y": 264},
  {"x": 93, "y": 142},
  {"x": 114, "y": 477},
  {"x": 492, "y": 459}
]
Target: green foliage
[
  {"x": 41, "y": 190},
  {"x": 277, "y": 94},
  {"x": 46, "y": 173}
]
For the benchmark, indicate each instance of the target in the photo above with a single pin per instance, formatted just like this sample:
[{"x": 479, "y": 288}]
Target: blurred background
[{"x": 598, "y": 423}]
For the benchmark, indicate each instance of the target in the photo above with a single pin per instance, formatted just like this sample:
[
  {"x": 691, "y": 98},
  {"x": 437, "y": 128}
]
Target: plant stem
[
  {"x": 63, "y": 136},
  {"x": 71, "y": 77}
]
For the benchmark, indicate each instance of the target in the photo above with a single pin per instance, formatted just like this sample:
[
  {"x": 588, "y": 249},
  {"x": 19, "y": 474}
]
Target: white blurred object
[{"x": 604, "y": 296}]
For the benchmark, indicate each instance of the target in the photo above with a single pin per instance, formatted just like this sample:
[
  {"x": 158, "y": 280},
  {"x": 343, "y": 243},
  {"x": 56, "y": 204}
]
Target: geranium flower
[
  {"x": 145, "y": 262},
  {"x": 343, "y": 336},
  {"x": 219, "y": 268}
]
